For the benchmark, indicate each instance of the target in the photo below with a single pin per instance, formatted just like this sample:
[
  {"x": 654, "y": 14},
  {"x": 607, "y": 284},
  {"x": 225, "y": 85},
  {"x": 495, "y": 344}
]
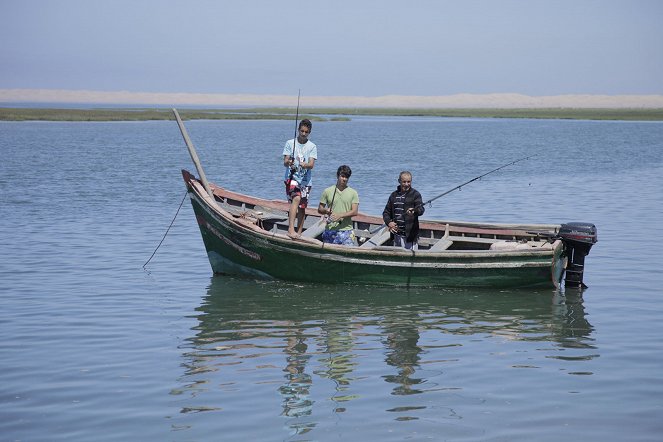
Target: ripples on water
[
  {"x": 95, "y": 348},
  {"x": 383, "y": 357}
]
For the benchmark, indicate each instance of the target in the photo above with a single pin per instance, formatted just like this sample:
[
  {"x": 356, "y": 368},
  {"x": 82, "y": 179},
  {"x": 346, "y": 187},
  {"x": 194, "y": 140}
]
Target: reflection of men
[
  {"x": 296, "y": 390},
  {"x": 401, "y": 335},
  {"x": 401, "y": 214},
  {"x": 339, "y": 346}
]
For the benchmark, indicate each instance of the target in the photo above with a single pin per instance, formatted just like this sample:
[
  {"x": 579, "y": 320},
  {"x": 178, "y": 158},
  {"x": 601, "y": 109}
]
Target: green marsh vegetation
[
  {"x": 124, "y": 114},
  {"x": 630, "y": 114},
  {"x": 319, "y": 114}
]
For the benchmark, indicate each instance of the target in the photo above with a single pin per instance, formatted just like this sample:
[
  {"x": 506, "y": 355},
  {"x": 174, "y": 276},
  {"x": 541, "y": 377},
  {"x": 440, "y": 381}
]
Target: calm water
[{"x": 95, "y": 348}]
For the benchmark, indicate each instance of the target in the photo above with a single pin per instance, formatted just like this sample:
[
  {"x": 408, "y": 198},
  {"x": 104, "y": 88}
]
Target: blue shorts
[{"x": 341, "y": 237}]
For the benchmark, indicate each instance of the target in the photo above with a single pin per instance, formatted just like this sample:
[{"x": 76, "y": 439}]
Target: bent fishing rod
[{"x": 458, "y": 187}]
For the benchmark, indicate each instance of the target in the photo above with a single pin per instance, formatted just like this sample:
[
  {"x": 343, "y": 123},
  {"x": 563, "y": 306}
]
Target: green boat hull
[{"x": 235, "y": 249}]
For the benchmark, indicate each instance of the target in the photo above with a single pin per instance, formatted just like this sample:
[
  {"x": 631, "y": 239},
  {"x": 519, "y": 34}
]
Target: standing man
[
  {"x": 340, "y": 203},
  {"x": 299, "y": 157},
  {"x": 401, "y": 214}
]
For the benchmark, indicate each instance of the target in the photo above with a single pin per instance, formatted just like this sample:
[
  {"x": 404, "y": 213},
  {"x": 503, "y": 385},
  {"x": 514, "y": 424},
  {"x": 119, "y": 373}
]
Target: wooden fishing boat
[{"x": 246, "y": 235}]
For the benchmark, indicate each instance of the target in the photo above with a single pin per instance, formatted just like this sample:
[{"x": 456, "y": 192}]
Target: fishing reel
[{"x": 328, "y": 218}]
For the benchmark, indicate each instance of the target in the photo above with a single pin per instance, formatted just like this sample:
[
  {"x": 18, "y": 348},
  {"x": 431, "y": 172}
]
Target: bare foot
[{"x": 294, "y": 235}]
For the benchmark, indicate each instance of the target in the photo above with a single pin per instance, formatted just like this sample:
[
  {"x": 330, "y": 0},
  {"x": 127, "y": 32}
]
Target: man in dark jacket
[{"x": 401, "y": 214}]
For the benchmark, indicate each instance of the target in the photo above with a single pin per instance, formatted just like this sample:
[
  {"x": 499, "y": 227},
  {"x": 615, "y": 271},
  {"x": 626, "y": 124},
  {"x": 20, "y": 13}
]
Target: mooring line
[{"x": 167, "y": 230}]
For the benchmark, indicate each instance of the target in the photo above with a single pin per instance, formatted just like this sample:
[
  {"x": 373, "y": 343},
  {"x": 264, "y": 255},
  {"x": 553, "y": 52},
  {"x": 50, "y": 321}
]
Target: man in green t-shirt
[{"x": 339, "y": 203}]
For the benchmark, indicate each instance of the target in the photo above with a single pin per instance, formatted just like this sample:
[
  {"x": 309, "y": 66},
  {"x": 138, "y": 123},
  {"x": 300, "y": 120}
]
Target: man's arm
[
  {"x": 352, "y": 212},
  {"x": 309, "y": 164},
  {"x": 386, "y": 213},
  {"x": 322, "y": 209},
  {"x": 418, "y": 204}
]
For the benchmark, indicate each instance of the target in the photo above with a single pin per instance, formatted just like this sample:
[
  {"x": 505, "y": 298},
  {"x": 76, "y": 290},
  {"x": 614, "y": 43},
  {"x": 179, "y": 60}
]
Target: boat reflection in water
[{"x": 291, "y": 349}]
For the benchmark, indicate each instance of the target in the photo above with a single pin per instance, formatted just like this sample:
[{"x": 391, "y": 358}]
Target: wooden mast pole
[{"x": 194, "y": 155}]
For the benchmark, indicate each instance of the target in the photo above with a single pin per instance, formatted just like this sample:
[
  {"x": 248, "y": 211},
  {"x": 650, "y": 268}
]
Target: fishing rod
[
  {"x": 294, "y": 142},
  {"x": 461, "y": 185},
  {"x": 331, "y": 205},
  {"x": 475, "y": 178}
]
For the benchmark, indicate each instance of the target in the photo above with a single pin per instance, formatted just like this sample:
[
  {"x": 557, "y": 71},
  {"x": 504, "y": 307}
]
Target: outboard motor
[{"x": 578, "y": 238}]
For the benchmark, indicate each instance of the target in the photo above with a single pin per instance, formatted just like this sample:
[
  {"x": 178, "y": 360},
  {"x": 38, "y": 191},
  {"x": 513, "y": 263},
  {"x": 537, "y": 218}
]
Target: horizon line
[{"x": 461, "y": 100}]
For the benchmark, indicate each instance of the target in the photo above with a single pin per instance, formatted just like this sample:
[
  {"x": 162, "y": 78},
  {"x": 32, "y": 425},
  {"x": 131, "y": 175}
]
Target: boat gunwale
[
  {"x": 425, "y": 224},
  {"x": 304, "y": 244}
]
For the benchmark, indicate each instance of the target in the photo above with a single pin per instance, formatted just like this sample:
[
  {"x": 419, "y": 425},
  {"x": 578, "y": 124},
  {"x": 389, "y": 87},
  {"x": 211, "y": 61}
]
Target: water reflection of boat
[{"x": 293, "y": 341}]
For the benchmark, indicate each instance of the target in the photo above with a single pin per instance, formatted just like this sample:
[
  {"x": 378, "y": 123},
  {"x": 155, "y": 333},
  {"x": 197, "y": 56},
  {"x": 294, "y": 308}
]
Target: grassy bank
[
  {"x": 115, "y": 114},
  {"x": 338, "y": 114},
  {"x": 542, "y": 113}
]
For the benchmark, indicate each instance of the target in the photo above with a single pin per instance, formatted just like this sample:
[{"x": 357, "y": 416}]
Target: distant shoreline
[
  {"x": 500, "y": 100},
  {"x": 321, "y": 113}
]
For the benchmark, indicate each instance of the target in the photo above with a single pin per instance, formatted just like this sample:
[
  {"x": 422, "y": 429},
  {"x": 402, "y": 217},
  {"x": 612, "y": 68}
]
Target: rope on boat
[{"x": 167, "y": 230}]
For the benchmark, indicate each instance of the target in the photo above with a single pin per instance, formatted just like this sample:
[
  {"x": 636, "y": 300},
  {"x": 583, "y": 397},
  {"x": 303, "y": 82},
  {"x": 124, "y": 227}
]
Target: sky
[{"x": 367, "y": 48}]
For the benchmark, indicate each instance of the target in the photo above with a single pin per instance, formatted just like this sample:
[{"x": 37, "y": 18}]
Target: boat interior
[{"x": 370, "y": 232}]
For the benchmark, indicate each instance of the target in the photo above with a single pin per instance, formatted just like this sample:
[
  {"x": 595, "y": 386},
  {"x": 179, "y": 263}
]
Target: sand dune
[{"x": 501, "y": 100}]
